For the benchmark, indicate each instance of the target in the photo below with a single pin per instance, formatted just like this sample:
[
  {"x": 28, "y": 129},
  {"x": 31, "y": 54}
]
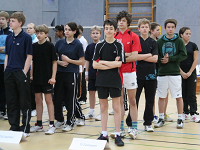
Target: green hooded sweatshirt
[{"x": 176, "y": 50}]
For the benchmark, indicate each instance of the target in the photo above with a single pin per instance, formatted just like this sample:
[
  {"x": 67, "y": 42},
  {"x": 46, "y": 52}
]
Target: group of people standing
[{"x": 121, "y": 63}]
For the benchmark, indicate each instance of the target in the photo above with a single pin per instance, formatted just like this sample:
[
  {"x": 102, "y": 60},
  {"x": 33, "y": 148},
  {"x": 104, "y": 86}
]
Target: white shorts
[
  {"x": 130, "y": 80},
  {"x": 174, "y": 83}
]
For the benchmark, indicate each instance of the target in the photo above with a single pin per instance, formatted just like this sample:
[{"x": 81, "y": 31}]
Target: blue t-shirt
[
  {"x": 73, "y": 50},
  {"x": 89, "y": 53},
  {"x": 17, "y": 49}
]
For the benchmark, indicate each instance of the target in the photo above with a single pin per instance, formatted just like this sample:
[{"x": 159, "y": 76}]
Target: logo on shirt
[
  {"x": 17, "y": 44},
  {"x": 114, "y": 52},
  {"x": 128, "y": 42}
]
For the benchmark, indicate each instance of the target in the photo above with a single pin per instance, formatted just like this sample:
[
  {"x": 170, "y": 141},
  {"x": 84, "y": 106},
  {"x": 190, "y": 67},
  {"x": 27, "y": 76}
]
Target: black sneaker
[
  {"x": 118, "y": 141},
  {"x": 103, "y": 138},
  {"x": 160, "y": 123}
]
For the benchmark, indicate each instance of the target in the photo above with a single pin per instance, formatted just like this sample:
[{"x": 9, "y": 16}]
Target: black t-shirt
[
  {"x": 43, "y": 57},
  {"x": 187, "y": 63},
  {"x": 89, "y": 53},
  {"x": 147, "y": 70},
  {"x": 73, "y": 50},
  {"x": 108, "y": 52}
]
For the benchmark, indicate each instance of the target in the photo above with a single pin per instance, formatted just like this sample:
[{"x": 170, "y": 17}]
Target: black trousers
[
  {"x": 150, "y": 91},
  {"x": 82, "y": 84},
  {"x": 66, "y": 90},
  {"x": 2, "y": 90},
  {"x": 189, "y": 94},
  {"x": 18, "y": 98}
]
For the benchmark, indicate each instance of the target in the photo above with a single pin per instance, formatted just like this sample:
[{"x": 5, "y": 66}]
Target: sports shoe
[
  {"x": 111, "y": 113},
  {"x": 33, "y": 113},
  {"x": 98, "y": 118},
  {"x": 36, "y": 128},
  {"x": 186, "y": 116},
  {"x": 195, "y": 118},
  {"x": 5, "y": 117},
  {"x": 89, "y": 116},
  {"x": 82, "y": 102},
  {"x": 118, "y": 141},
  {"x": 101, "y": 137},
  {"x": 58, "y": 124},
  {"x": 80, "y": 122},
  {"x": 26, "y": 135},
  {"x": 64, "y": 109},
  {"x": 51, "y": 130},
  {"x": 148, "y": 128},
  {"x": 67, "y": 128},
  {"x": 155, "y": 119},
  {"x": 168, "y": 119},
  {"x": 160, "y": 123},
  {"x": 1, "y": 114},
  {"x": 122, "y": 134},
  {"x": 179, "y": 124},
  {"x": 129, "y": 129},
  {"x": 133, "y": 133}
]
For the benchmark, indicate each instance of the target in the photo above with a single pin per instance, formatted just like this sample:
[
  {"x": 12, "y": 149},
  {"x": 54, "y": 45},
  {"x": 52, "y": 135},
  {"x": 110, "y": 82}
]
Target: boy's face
[
  {"x": 30, "y": 29},
  {"x": 144, "y": 29},
  {"x": 3, "y": 22},
  {"x": 95, "y": 35},
  {"x": 122, "y": 24},
  {"x": 170, "y": 29},
  {"x": 15, "y": 24},
  {"x": 68, "y": 32},
  {"x": 41, "y": 36},
  {"x": 109, "y": 31}
]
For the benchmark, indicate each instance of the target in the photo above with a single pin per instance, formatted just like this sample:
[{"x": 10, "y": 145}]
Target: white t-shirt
[{"x": 85, "y": 44}]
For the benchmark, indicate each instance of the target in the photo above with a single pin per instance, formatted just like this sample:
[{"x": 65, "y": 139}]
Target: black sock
[
  {"x": 51, "y": 122},
  {"x": 39, "y": 122}
]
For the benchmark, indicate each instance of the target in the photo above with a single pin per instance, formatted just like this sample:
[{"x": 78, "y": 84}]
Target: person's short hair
[
  {"x": 174, "y": 21},
  {"x": 59, "y": 28},
  {"x": 154, "y": 25},
  {"x": 4, "y": 14},
  {"x": 42, "y": 28},
  {"x": 144, "y": 21},
  {"x": 73, "y": 26},
  {"x": 19, "y": 16},
  {"x": 111, "y": 23},
  {"x": 95, "y": 27},
  {"x": 80, "y": 27},
  {"x": 182, "y": 30},
  {"x": 124, "y": 14}
]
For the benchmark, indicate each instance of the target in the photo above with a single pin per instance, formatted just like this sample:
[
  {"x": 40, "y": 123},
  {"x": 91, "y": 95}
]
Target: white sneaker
[
  {"x": 160, "y": 123},
  {"x": 98, "y": 117},
  {"x": 179, "y": 124},
  {"x": 111, "y": 113},
  {"x": 58, "y": 124},
  {"x": 122, "y": 134},
  {"x": 195, "y": 118},
  {"x": 89, "y": 116},
  {"x": 5, "y": 117},
  {"x": 186, "y": 116},
  {"x": 149, "y": 128},
  {"x": 67, "y": 128},
  {"x": 51, "y": 130},
  {"x": 80, "y": 122},
  {"x": 82, "y": 102},
  {"x": 64, "y": 109},
  {"x": 36, "y": 128},
  {"x": 133, "y": 133},
  {"x": 26, "y": 135},
  {"x": 155, "y": 119},
  {"x": 129, "y": 129},
  {"x": 168, "y": 118},
  {"x": 33, "y": 113}
]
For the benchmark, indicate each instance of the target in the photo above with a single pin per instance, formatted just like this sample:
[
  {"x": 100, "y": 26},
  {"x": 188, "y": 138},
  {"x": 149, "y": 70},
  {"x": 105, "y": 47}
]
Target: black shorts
[
  {"x": 91, "y": 85},
  {"x": 43, "y": 89},
  {"x": 105, "y": 92}
]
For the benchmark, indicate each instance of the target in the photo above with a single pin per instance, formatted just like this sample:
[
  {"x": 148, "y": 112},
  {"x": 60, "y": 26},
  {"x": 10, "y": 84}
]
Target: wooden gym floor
[{"x": 165, "y": 138}]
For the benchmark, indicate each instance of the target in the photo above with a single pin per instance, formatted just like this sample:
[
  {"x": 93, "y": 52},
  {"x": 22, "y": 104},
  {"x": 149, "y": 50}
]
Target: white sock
[
  {"x": 180, "y": 116},
  {"x": 161, "y": 116},
  {"x": 105, "y": 133},
  {"x": 91, "y": 111},
  {"x": 117, "y": 133}
]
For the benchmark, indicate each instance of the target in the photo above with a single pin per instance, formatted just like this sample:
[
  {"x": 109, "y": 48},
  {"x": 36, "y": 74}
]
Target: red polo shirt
[{"x": 131, "y": 42}]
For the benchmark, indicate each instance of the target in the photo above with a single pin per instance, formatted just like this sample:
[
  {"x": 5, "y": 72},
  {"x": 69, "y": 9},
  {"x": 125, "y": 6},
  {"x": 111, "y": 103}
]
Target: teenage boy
[
  {"x": 108, "y": 58},
  {"x": 4, "y": 32},
  {"x": 146, "y": 72},
  {"x": 90, "y": 74},
  {"x": 171, "y": 51},
  {"x": 44, "y": 73},
  {"x": 17, "y": 64},
  {"x": 132, "y": 46}
]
